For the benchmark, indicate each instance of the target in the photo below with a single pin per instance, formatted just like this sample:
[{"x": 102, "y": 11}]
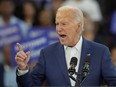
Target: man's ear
[{"x": 79, "y": 27}]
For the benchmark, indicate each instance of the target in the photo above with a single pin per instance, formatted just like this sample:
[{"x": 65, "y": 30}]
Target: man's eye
[{"x": 63, "y": 23}]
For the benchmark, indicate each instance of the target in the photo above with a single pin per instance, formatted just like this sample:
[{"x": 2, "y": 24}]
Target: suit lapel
[
  {"x": 62, "y": 62},
  {"x": 85, "y": 50}
]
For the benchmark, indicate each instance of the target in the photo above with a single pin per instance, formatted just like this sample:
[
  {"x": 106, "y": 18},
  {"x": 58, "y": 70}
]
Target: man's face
[{"x": 67, "y": 29}]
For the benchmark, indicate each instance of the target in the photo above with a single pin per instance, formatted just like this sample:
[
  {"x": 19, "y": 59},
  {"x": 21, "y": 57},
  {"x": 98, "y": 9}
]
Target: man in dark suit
[{"x": 93, "y": 61}]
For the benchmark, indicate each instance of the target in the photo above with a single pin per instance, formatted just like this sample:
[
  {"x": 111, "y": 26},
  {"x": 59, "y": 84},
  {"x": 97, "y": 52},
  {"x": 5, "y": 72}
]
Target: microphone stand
[{"x": 79, "y": 78}]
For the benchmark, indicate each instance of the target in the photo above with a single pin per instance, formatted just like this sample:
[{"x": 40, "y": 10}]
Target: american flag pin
[{"x": 89, "y": 54}]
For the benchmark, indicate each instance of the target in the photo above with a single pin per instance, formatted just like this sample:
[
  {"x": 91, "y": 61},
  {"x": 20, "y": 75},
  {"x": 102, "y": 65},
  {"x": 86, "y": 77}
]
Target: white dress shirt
[{"x": 73, "y": 52}]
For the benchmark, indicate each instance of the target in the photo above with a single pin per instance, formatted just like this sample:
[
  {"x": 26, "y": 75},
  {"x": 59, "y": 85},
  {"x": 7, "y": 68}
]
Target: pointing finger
[{"x": 20, "y": 48}]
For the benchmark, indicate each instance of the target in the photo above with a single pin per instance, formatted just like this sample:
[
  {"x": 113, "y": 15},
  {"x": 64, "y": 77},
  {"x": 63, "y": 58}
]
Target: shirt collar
[{"x": 78, "y": 46}]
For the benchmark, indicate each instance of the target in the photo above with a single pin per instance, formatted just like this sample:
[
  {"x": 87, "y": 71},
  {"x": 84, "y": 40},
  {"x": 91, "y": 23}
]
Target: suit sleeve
[
  {"x": 108, "y": 69},
  {"x": 35, "y": 77},
  {"x": 38, "y": 72}
]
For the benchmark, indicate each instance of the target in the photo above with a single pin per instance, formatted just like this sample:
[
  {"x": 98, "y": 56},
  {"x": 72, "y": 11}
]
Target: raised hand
[{"x": 22, "y": 58}]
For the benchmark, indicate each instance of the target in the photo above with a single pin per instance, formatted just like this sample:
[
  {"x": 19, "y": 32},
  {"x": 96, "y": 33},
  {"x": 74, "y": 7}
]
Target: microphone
[
  {"x": 85, "y": 69},
  {"x": 72, "y": 70}
]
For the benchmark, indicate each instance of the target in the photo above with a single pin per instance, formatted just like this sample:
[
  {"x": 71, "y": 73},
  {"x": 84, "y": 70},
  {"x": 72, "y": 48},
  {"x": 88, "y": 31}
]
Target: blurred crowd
[{"x": 99, "y": 26}]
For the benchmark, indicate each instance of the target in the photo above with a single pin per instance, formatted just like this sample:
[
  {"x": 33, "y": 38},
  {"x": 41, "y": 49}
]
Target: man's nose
[{"x": 59, "y": 28}]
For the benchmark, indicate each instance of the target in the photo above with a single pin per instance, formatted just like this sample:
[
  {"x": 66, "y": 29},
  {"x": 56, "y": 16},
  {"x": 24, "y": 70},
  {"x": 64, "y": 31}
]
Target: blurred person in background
[
  {"x": 41, "y": 3},
  {"x": 29, "y": 12},
  {"x": 55, "y": 4},
  {"x": 45, "y": 18},
  {"x": 7, "y": 17},
  {"x": 88, "y": 32},
  {"x": 9, "y": 72},
  {"x": 108, "y": 7}
]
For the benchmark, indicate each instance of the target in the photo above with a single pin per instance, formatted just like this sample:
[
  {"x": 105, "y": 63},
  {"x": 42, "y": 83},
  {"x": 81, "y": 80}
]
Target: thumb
[{"x": 28, "y": 54}]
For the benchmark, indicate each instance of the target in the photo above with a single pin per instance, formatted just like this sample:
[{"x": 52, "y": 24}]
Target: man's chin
[{"x": 63, "y": 43}]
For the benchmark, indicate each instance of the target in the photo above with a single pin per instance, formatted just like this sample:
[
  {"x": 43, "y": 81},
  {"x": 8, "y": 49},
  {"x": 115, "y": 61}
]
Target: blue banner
[{"x": 9, "y": 34}]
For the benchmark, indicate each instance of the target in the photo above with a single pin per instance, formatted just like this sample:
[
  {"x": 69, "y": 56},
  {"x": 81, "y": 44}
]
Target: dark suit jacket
[
  {"x": 1, "y": 75},
  {"x": 52, "y": 66}
]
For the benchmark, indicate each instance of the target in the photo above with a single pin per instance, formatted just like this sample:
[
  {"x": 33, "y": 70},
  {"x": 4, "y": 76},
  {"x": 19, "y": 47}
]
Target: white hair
[{"x": 78, "y": 14}]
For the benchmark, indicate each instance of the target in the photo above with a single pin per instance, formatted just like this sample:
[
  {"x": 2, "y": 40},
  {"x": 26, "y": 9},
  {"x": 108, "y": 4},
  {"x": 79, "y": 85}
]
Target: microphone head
[
  {"x": 71, "y": 71},
  {"x": 73, "y": 64},
  {"x": 73, "y": 61}
]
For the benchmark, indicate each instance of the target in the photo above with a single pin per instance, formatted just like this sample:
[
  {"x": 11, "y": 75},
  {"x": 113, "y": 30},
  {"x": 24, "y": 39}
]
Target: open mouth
[{"x": 62, "y": 35}]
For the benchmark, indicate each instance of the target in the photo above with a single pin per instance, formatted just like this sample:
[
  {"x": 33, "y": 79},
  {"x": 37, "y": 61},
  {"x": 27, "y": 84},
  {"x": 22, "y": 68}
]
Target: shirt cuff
[{"x": 22, "y": 72}]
